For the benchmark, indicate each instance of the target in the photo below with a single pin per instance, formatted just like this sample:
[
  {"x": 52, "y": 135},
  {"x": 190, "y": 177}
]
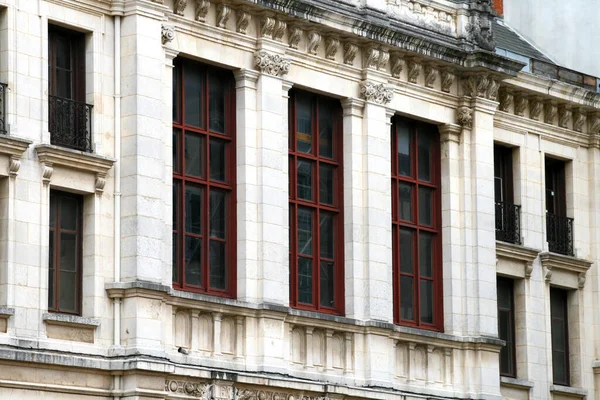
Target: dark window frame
[
  {"x": 555, "y": 171},
  {"x": 564, "y": 298},
  {"x": 316, "y": 206},
  {"x": 435, "y": 228},
  {"x": 54, "y": 250},
  {"x": 76, "y": 42},
  {"x": 206, "y": 182},
  {"x": 503, "y": 169},
  {"x": 508, "y": 284}
]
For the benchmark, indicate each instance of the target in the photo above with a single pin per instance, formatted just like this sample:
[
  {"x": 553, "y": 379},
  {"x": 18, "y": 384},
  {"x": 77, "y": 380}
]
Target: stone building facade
[{"x": 291, "y": 199}]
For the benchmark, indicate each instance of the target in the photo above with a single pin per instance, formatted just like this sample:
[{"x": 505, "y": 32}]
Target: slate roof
[{"x": 508, "y": 39}]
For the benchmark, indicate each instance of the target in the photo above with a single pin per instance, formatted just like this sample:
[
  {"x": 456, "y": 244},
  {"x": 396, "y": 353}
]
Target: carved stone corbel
[
  {"x": 100, "y": 183},
  {"x": 271, "y": 64},
  {"x": 430, "y": 75},
  {"x": 447, "y": 79},
  {"x": 47, "y": 170},
  {"x": 371, "y": 57},
  {"x": 506, "y": 99},
  {"x": 384, "y": 58},
  {"x": 350, "y": 50},
  {"x": 294, "y": 36},
  {"x": 520, "y": 104},
  {"x": 314, "y": 40},
  {"x": 396, "y": 65},
  {"x": 332, "y": 44},
  {"x": 242, "y": 21},
  {"x": 279, "y": 30},
  {"x": 414, "y": 69},
  {"x": 581, "y": 280},
  {"x": 267, "y": 25},
  {"x": 564, "y": 116},
  {"x": 594, "y": 123},
  {"x": 464, "y": 117},
  {"x": 223, "y": 12},
  {"x": 528, "y": 269},
  {"x": 450, "y": 133},
  {"x": 202, "y": 7},
  {"x": 579, "y": 118},
  {"x": 550, "y": 110},
  {"x": 14, "y": 165},
  {"x": 535, "y": 108},
  {"x": 376, "y": 92},
  {"x": 547, "y": 274},
  {"x": 476, "y": 85},
  {"x": 180, "y": 6},
  {"x": 167, "y": 33}
]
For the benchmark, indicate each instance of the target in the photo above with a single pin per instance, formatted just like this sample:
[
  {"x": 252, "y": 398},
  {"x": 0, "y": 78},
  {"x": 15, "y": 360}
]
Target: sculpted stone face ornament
[
  {"x": 271, "y": 64},
  {"x": 464, "y": 116}
]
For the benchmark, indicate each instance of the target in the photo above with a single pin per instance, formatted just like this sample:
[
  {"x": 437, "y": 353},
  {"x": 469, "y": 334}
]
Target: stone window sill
[
  {"x": 516, "y": 383},
  {"x": 565, "y": 271},
  {"x": 70, "y": 320},
  {"x": 568, "y": 391},
  {"x": 518, "y": 253},
  {"x": 6, "y": 312}
]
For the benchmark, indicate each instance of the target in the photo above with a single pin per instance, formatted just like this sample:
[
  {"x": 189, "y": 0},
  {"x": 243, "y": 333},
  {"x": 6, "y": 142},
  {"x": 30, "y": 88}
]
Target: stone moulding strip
[{"x": 70, "y": 320}]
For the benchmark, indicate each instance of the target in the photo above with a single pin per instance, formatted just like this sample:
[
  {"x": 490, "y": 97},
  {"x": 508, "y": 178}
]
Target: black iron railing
[
  {"x": 508, "y": 222},
  {"x": 3, "y": 126},
  {"x": 559, "y": 234},
  {"x": 70, "y": 123}
]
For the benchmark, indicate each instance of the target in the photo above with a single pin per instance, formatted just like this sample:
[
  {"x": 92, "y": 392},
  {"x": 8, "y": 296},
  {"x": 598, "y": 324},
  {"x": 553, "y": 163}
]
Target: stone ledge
[
  {"x": 516, "y": 383},
  {"x": 75, "y": 159},
  {"x": 70, "y": 320},
  {"x": 518, "y": 253},
  {"x": 571, "y": 267},
  {"x": 6, "y": 312},
  {"x": 12, "y": 145},
  {"x": 569, "y": 391}
]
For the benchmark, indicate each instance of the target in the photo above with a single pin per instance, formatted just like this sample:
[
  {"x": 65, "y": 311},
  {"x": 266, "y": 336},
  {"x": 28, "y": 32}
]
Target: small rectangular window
[
  {"x": 506, "y": 326},
  {"x": 64, "y": 248},
  {"x": 559, "y": 227},
  {"x": 560, "y": 337}
]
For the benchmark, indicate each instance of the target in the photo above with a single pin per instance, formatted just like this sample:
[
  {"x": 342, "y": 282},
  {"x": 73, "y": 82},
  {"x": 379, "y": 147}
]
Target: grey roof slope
[{"x": 508, "y": 39}]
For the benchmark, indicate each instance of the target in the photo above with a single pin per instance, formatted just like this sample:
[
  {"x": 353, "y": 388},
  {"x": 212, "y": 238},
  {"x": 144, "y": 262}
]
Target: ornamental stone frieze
[
  {"x": 195, "y": 389},
  {"x": 481, "y": 85},
  {"x": 271, "y": 64},
  {"x": 376, "y": 92}
]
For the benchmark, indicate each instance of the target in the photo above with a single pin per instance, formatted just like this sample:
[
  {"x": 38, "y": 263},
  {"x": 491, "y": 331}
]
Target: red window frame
[
  {"x": 296, "y": 203},
  {"x": 416, "y": 129},
  {"x": 206, "y": 182},
  {"x": 54, "y": 251}
]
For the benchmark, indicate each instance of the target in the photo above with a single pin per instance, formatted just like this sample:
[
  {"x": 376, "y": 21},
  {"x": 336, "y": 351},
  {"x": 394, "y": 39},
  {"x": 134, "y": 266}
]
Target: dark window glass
[
  {"x": 66, "y": 63},
  {"x": 560, "y": 337},
  {"x": 316, "y": 245},
  {"x": 64, "y": 279},
  {"x": 203, "y": 179},
  {"x": 416, "y": 224},
  {"x": 506, "y": 325}
]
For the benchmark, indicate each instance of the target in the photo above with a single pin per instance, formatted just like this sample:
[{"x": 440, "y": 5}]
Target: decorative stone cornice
[
  {"x": 13, "y": 148},
  {"x": 464, "y": 116},
  {"x": 450, "y": 133},
  {"x": 576, "y": 267},
  {"x": 271, "y": 64},
  {"x": 50, "y": 155},
  {"x": 167, "y": 33},
  {"x": 518, "y": 253},
  {"x": 376, "y": 92}
]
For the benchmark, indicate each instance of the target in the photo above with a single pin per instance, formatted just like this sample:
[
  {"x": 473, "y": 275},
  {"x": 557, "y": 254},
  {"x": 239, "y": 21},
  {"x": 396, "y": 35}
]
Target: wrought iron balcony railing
[
  {"x": 559, "y": 234},
  {"x": 508, "y": 222},
  {"x": 70, "y": 123},
  {"x": 3, "y": 108}
]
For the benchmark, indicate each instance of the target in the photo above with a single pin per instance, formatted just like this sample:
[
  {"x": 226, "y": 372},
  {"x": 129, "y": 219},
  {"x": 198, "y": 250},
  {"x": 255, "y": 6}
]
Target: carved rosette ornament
[
  {"x": 430, "y": 75},
  {"x": 464, "y": 117},
  {"x": 314, "y": 40},
  {"x": 223, "y": 12},
  {"x": 202, "y": 7},
  {"x": 414, "y": 70},
  {"x": 447, "y": 78},
  {"x": 271, "y": 64},
  {"x": 180, "y": 6},
  {"x": 578, "y": 120},
  {"x": 564, "y": 116},
  {"x": 376, "y": 92},
  {"x": 332, "y": 45},
  {"x": 350, "y": 50},
  {"x": 167, "y": 33},
  {"x": 535, "y": 108},
  {"x": 550, "y": 111},
  {"x": 294, "y": 36},
  {"x": 195, "y": 389},
  {"x": 242, "y": 21},
  {"x": 506, "y": 99}
]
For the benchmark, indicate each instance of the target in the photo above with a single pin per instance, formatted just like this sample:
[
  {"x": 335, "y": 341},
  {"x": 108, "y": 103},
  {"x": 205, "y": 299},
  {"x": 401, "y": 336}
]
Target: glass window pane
[
  {"x": 193, "y": 261},
  {"x": 407, "y": 310},
  {"x": 405, "y": 201},
  {"x": 67, "y": 297},
  {"x": 504, "y": 334},
  {"x": 63, "y": 84},
  {"x": 406, "y": 251},
  {"x": 193, "y": 82},
  {"x": 305, "y": 180},
  {"x": 326, "y": 193},
  {"x": 176, "y": 150},
  {"x": 217, "y": 160},
  {"x": 504, "y": 293},
  {"x": 218, "y": 208},
  {"x": 305, "y": 280},
  {"x": 217, "y": 265},
  {"x": 305, "y": 232},
  {"x": 68, "y": 252},
  {"x": 304, "y": 123},
  {"x": 558, "y": 335},
  {"x": 176, "y": 188},
  {"x": 63, "y": 52},
  {"x": 404, "y": 146},
  {"x": 559, "y": 367},
  {"x": 425, "y": 206},
  {"x": 175, "y": 270},
  {"x": 326, "y": 238},
  {"x": 194, "y": 155},
  {"x": 193, "y": 209},
  {"x": 176, "y": 93},
  {"x": 217, "y": 88},
  {"x": 557, "y": 304},
  {"x": 53, "y": 204},
  {"x": 69, "y": 208},
  {"x": 426, "y": 303},
  {"x": 325, "y": 131},
  {"x": 424, "y": 141},
  {"x": 426, "y": 254},
  {"x": 51, "y": 270},
  {"x": 327, "y": 280}
]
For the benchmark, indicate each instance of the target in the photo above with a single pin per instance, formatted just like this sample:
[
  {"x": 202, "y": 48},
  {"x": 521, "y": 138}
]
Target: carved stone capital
[
  {"x": 464, "y": 116},
  {"x": 202, "y": 7},
  {"x": 167, "y": 33},
  {"x": 271, "y": 64},
  {"x": 564, "y": 116},
  {"x": 376, "y": 92},
  {"x": 447, "y": 78},
  {"x": 350, "y": 50}
]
